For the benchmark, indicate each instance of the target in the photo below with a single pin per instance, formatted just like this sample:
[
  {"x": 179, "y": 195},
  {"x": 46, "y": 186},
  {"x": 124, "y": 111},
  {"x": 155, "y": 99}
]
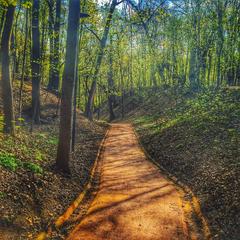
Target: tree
[
  {"x": 65, "y": 134},
  {"x": 54, "y": 27},
  {"x": 7, "y": 94},
  {"x": 56, "y": 56},
  {"x": 23, "y": 65},
  {"x": 36, "y": 79},
  {"x": 111, "y": 84},
  {"x": 89, "y": 106}
]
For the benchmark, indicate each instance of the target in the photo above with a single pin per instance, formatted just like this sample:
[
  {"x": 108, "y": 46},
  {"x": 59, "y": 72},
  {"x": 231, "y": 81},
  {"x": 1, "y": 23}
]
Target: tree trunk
[
  {"x": 89, "y": 105},
  {"x": 55, "y": 58},
  {"x": 193, "y": 64},
  {"x": 35, "y": 63},
  {"x": 110, "y": 86},
  {"x": 77, "y": 82},
  {"x": 23, "y": 65},
  {"x": 2, "y": 21},
  {"x": 192, "y": 68},
  {"x": 65, "y": 134},
  {"x": 51, "y": 52},
  {"x": 220, "y": 40},
  {"x": 7, "y": 95}
]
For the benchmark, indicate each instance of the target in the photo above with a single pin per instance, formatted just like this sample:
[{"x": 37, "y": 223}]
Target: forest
[{"x": 119, "y": 119}]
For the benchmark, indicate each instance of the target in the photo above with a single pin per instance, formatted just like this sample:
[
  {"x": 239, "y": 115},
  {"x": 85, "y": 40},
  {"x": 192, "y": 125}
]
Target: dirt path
[{"x": 135, "y": 201}]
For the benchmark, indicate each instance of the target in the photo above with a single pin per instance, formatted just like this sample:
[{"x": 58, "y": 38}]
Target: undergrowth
[
  {"x": 10, "y": 162},
  {"x": 26, "y": 151}
]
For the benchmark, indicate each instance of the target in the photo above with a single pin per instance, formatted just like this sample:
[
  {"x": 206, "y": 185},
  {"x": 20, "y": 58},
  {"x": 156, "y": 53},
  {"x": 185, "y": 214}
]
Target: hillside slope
[{"x": 32, "y": 193}]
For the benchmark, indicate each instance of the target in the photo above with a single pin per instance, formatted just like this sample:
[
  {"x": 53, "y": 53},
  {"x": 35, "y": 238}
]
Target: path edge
[
  {"x": 194, "y": 202},
  {"x": 56, "y": 224}
]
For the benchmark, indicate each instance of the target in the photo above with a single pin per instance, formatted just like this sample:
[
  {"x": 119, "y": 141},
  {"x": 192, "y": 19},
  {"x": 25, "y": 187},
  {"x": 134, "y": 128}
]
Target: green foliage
[
  {"x": 21, "y": 120},
  {"x": 42, "y": 135},
  {"x": 35, "y": 168},
  {"x": 8, "y": 2},
  {"x": 9, "y": 161},
  {"x": 38, "y": 155},
  {"x": 27, "y": 4},
  {"x": 53, "y": 141},
  {"x": 2, "y": 195}
]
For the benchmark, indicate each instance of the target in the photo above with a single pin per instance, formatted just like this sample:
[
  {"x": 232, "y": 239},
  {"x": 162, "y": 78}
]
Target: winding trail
[{"x": 134, "y": 201}]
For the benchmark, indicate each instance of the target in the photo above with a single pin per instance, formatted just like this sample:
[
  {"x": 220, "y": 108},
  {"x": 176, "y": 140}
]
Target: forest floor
[
  {"x": 32, "y": 192},
  {"x": 134, "y": 200},
  {"x": 196, "y": 139}
]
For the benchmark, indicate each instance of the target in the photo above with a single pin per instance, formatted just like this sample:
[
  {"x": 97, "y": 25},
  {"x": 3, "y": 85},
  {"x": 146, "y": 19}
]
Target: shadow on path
[{"x": 134, "y": 201}]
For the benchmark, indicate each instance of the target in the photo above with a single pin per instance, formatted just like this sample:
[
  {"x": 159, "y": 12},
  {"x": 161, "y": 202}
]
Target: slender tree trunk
[
  {"x": 89, "y": 106},
  {"x": 55, "y": 59},
  {"x": 23, "y": 65},
  {"x": 122, "y": 91},
  {"x": 36, "y": 79},
  {"x": 7, "y": 94},
  {"x": 110, "y": 85},
  {"x": 131, "y": 61},
  {"x": 75, "y": 111},
  {"x": 192, "y": 68},
  {"x": 51, "y": 49},
  {"x": 220, "y": 40},
  {"x": 65, "y": 134},
  {"x": 43, "y": 50},
  {"x": 77, "y": 82},
  {"x": 209, "y": 67},
  {"x": 193, "y": 64},
  {"x": 2, "y": 21}
]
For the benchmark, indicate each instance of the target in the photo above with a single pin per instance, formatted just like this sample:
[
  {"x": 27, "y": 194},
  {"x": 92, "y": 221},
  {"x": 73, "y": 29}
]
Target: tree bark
[
  {"x": 194, "y": 55},
  {"x": 35, "y": 63},
  {"x": 23, "y": 65},
  {"x": 65, "y": 134},
  {"x": 51, "y": 49},
  {"x": 54, "y": 70},
  {"x": 110, "y": 86},
  {"x": 2, "y": 20},
  {"x": 220, "y": 40},
  {"x": 7, "y": 94},
  {"x": 56, "y": 58}
]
